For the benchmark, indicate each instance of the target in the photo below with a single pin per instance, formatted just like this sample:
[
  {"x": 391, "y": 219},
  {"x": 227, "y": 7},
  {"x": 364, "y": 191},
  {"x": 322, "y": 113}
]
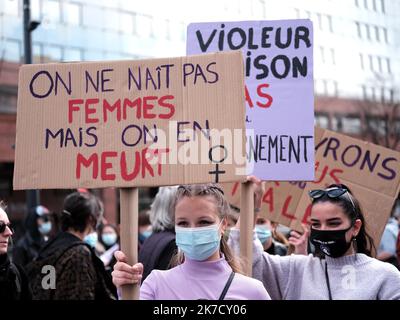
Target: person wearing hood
[
  {"x": 13, "y": 281},
  {"x": 38, "y": 226}
]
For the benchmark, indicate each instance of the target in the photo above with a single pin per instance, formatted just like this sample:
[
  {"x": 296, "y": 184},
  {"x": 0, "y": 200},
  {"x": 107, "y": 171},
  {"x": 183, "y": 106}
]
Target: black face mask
[{"x": 330, "y": 242}]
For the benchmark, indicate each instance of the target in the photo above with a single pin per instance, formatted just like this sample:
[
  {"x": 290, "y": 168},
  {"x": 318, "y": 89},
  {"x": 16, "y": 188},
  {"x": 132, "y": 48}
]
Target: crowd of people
[{"x": 189, "y": 249}]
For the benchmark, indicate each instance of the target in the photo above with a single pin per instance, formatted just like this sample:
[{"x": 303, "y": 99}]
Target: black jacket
[
  {"x": 13, "y": 281},
  {"x": 80, "y": 274},
  {"x": 157, "y": 251},
  {"x": 28, "y": 246}
]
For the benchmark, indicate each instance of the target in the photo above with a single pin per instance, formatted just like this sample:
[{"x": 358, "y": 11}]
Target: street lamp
[{"x": 32, "y": 196}]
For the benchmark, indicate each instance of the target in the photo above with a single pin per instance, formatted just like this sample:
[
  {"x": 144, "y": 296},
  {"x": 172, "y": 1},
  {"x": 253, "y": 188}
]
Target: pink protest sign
[{"x": 278, "y": 60}]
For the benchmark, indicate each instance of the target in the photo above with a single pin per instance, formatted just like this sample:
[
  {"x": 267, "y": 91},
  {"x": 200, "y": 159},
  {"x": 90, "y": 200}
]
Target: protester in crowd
[
  {"x": 109, "y": 238},
  {"x": 159, "y": 248},
  {"x": 206, "y": 268},
  {"x": 38, "y": 226},
  {"x": 387, "y": 246},
  {"x": 145, "y": 229},
  {"x": 347, "y": 270},
  {"x": 80, "y": 274},
  {"x": 269, "y": 237},
  {"x": 13, "y": 281}
]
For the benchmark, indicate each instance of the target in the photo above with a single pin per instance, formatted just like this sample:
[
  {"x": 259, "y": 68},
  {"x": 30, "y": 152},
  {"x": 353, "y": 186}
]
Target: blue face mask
[
  {"x": 146, "y": 234},
  {"x": 91, "y": 239},
  {"x": 263, "y": 233},
  {"x": 109, "y": 239},
  {"x": 198, "y": 243},
  {"x": 45, "y": 228}
]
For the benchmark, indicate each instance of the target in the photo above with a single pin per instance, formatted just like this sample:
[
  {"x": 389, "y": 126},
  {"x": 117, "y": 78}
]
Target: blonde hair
[{"x": 223, "y": 209}]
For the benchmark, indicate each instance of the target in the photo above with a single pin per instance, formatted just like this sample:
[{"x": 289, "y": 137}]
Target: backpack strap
[{"x": 227, "y": 285}]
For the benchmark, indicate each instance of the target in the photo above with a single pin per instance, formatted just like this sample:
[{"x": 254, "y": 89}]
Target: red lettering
[
  {"x": 107, "y": 165},
  {"x": 147, "y": 107},
  {"x": 73, "y": 107},
  {"x": 89, "y": 111},
  {"x": 111, "y": 108},
  {"x": 146, "y": 165},
  {"x": 269, "y": 199},
  {"x": 285, "y": 213},
  {"x": 333, "y": 175},
  {"x": 248, "y": 98},
  {"x": 170, "y": 106},
  {"x": 323, "y": 175},
  {"x": 307, "y": 214},
  {"x": 235, "y": 187},
  {"x": 81, "y": 160},
  {"x": 131, "y": 104},
  {"x": 262, "y": 94},
  {"x": 124, "y": 172}
]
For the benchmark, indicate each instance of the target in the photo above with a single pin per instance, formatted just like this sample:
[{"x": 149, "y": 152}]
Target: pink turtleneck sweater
[{"x": 194, "y": 280}]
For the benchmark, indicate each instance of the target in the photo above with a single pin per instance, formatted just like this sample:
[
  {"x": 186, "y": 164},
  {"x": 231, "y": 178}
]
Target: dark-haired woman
[
  {"x": 78, "y": 273},
  {"x": 343, "y": 269}
]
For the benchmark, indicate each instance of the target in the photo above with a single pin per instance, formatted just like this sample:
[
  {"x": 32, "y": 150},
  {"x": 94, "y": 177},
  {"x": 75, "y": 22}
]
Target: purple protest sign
[{"x": 278, "y": 60}]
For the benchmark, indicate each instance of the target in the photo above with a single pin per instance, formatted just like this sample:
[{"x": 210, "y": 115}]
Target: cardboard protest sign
[
  {"x": 371, "y": 172},
  {"x": 278, "y": 59},
  {"x": 130, "y": 123}
]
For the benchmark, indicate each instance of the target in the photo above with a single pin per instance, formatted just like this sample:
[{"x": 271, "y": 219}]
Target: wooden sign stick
[
  {"x": 129, "y": 206},
  {"x": 246, "y": 226}
]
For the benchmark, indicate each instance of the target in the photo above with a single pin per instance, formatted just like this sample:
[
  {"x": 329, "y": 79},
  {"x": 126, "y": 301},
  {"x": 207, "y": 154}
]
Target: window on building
[
  {"x": 319, "y": 18},
  {"x": 52, "y": 53},
  {"x": 36, "y": 10},
  {"x": 388, "y": 69},
  {"x": 10, "y": 7},
  {"x": 11, "y": 51},
  {"x": 72, "y": 13},
  {"x": 144, "y": 26},
  {"x": 333, "y": 59},
  {"x": 362, "y": 61},
  {"x": 127, "y": 23},
  {"x": 52, "y": 11},
  {"x": 321, "y": 120},
  {"x": 93, "y": 16},
  {"x": 297, "y": 13},
  {"x": 322, "y": 54},
  {"x": 73, "y": 54},
  {"x": 366, "y": 4},
  {"x": 330, "y": 25},
  {"x": 371, "y": 62},
  {"x": 385, "y": 35},
  {"x": 379, "y": 64},
  {"x": 331, "y": 88},
  {"x": 377, "y": 33},
  {"x": 337, "y": 124},
  {"x": 37, "y": 53},
  {"x": 364, "y": 92},
  {"x": 111, "y": 19},
  {"x": 161, "y": 28},
  {"x": 259, "y": 7},
  {"x": 351, "y": 125},
  {"x": 382, "y": 5},
  {"x": 367, "y": 32},
  {"x": 356, "y": 3},
  {"x": 374, "y": 5},
  {"x": 358, "y": 29}
]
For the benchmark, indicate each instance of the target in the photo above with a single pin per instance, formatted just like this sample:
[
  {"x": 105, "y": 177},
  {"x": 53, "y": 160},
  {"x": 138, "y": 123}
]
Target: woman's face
[
  {"x": 330, "y": 216},
  {"x": 109, "y": 230},
  {"x": 195, "y": 212},
  {"x": 4, "y": 236}
]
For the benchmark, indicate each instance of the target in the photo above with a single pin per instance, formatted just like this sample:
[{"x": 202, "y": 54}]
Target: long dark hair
[{"x": 364, "y": 242}]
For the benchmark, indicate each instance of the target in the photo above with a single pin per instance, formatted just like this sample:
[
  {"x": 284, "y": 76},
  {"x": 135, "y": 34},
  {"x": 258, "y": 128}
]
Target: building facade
[{"x": 356, "y": 54}]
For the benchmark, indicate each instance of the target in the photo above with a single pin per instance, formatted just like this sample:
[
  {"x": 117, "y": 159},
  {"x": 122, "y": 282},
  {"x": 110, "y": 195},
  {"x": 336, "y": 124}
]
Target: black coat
[{"x": 13, "y": 281}]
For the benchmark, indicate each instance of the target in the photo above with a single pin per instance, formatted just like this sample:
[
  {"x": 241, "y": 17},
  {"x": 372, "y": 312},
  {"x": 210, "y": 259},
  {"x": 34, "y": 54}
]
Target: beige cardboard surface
[
  {"x": 370, "y": 171},
  {"x": 92, "y": 124}
]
